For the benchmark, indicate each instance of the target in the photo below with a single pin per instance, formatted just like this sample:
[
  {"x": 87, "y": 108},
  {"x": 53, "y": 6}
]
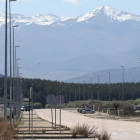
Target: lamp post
[
  {"x": 18, "y": 92},
  {"x": 15, "y": 60},
  {"x": 98, "y": 96},
  {"x": 5, "y": 75},
  {"x": 109, "y": 93},
  {"x": 79, "y": 94},
  {"x": 122, "y": 87},
  {"x": 14, "y": 75},
  {"x": 69, "y": 94},
  {"x": 89, "y": 91},
  {"x": 16, "y": 82},
  {"x": 13, "y": 50},
  {"x": 84, "y": 93},
  {"x": 10, "y": 65},
  {"x": 75, "y": 92},
  {"x": 17, "y": 87},
  {"x": 91, "y": 88},
  {"x": 0, "y": 92}
]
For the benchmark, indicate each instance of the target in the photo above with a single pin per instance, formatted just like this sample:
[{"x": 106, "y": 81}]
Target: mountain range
[{"x": 59, "y": 49}]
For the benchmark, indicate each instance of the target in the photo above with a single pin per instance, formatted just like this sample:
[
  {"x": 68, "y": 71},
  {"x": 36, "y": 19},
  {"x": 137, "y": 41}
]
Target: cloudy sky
[{"x": 69, "y": 8}]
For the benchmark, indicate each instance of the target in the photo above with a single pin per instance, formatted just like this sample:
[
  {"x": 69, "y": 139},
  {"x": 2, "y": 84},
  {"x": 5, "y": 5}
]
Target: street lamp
[
  {"x": 14, "y": 63},
  {"x": 109, "y": 93},
  {"x": 10, "y": 65},
  {"x": 75, "y": 92},
  {"x": 0, "y": 92},
  {"x": 17, "y": 70},
  {"x": 14, "y": 26},
  {"x": 88, "y": 91},
  {"x": 79, "y": 94},
  {"x": 122, "y": 87},
  {"x": 15, "y": 60},
  {"x": 5, "y": 75},
  {"x": 91, "y": 88},
  {"x": 98, "y": 96},
  {"x": 17, "y": 88},
  {"x": 69, "y": 94},
  {"x": 84, "y": 93}
]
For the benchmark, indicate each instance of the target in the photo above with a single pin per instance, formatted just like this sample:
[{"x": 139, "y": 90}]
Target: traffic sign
[
  {"x": 60, "y": 99},
  {"x": 25, "y": 99},
  {"x": 50, "y": 99}
]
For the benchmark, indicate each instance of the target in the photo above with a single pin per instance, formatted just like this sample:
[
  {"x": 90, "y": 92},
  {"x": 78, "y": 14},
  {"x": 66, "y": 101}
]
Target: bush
[
  {"x": 116, "y": 104},
  {"x": 47, "y": 106},
  {"x": 84, "y": 130},
  {"x": 25, "y": 103},
  {"x": 5, "y": 132},
  {"x": 104, "y": 135},
  {"x": 87, "y": 131},
  {"x": 137, "y": 102},
  {"x": 37, "y": 105},
  {"x": 129, "y": 110}
]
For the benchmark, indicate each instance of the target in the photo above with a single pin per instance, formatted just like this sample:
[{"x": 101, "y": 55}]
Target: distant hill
[{"x": 130, "y": 75}]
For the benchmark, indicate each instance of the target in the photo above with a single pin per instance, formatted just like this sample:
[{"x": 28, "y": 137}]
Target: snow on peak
[
  {"x": 110, "y": 12},
  {"x": 48, "y": 19},
  {"x": 45, "y": 19}
]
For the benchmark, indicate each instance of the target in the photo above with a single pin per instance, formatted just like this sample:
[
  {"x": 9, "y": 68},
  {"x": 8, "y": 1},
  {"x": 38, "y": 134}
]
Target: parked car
[
  {"x": 88, "y": 111},
  {"x": 22, "y": 108},
  {"x": 137, "y": 107},
  {"x": 28, "y": 108},
  {"x": 80, "y": 110}
]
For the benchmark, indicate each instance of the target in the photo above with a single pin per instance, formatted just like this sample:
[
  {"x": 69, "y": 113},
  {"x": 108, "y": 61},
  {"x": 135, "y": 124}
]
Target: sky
[{"x": 69, "y": 8}]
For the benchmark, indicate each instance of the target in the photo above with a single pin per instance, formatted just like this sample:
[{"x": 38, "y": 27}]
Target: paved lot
[{"x": 120, "y": 130}]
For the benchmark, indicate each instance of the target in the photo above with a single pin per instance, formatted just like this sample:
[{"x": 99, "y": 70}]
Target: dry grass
[
  {"x": 5, "y": 132},
  {"x": 104, "y": 135},
  {"x": 87, "y": 131},
  {"x": 84, "y": 130}
]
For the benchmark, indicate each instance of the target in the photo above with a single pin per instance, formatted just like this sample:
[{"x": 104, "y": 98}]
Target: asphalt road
[{"x": 120, "y": 130}]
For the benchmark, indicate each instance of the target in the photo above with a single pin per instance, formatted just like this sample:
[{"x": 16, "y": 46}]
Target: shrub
[
  {"x": 137, "y": 102},
  {"x": 87, "y": 131},
  {"x": 116, "y": 104},
  {"x": 5, "y": 132},
  {"x": 47, "y": 106},
  {"x": 84, "y": 130},
  {"x": 104, "y": 135},
  {"x": 37, "y": 105},
  {"x": 129, "y": 110}
]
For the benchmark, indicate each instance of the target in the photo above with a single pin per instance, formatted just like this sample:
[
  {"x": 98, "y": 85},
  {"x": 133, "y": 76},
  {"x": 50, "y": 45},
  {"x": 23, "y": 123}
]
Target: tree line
[{"x": 75, "y": 91}]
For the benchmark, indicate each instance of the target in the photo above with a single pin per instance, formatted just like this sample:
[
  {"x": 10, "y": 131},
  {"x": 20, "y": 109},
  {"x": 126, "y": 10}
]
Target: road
[{"x": 120, "y": 130}]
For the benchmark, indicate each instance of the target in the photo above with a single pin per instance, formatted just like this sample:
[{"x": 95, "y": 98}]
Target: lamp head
[{"x": 15, "y": 26}]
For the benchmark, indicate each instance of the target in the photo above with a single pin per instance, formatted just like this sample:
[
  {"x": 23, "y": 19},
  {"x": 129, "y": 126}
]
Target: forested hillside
[{"x": 41, "y": 88}]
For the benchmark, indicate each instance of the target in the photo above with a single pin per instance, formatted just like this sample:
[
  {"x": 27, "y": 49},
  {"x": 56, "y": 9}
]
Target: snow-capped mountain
[
  {"x": 48, "y": 19},
  {"x": 58, "y": 48},
  {"x": 26, "y": 20},
  {"x": 110, "y": 13}
]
